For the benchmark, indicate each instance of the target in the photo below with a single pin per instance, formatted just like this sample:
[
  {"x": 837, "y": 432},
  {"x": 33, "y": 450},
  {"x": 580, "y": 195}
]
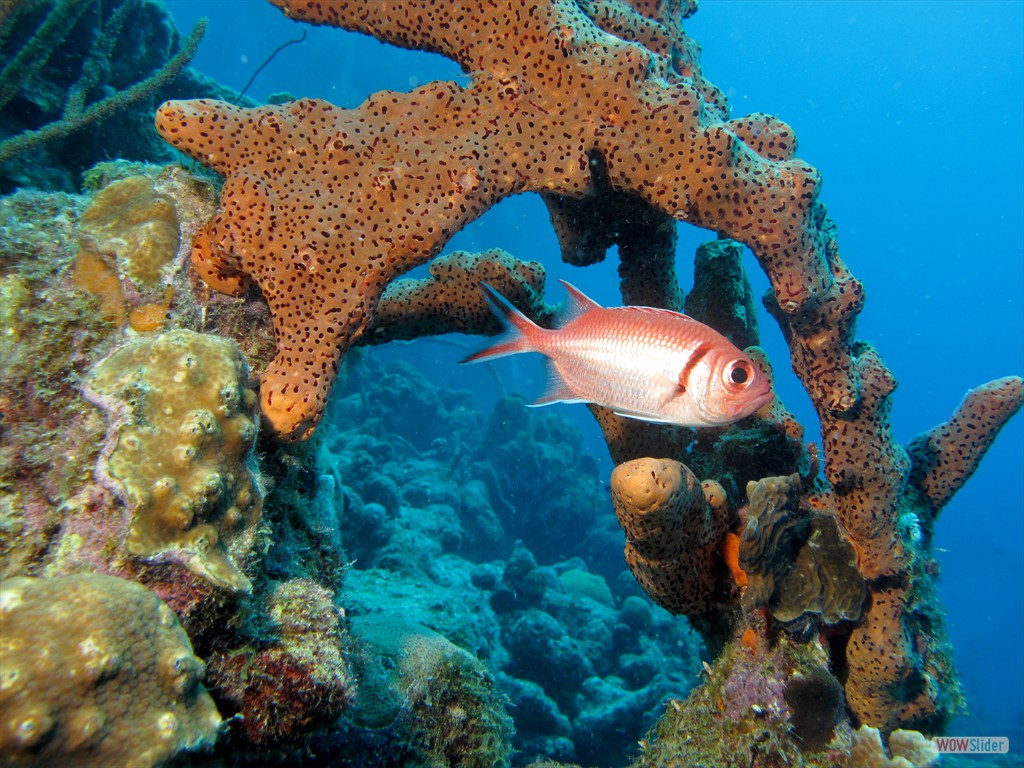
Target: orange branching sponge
[
  {"x": 324, "y": 207},
  {"x": 450, "y": 299},
  {"x": 672, "y": 533},
  {"x": 945, "y": 457}
]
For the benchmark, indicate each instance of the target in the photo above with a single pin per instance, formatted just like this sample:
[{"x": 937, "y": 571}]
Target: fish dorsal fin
[
  {"x": 659, "y": 311},
  {"x": 576, "y": 305}
]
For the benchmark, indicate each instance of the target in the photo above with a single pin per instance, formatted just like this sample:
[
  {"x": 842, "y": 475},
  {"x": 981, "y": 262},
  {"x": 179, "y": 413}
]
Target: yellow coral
[
  {"x": 96, "y": 672},
  {"x": 909, "y": 750},
  {"x": 129, "y": 232},
  {"x": 137, "y": 224},
  {"x": 181, "y": 449}
]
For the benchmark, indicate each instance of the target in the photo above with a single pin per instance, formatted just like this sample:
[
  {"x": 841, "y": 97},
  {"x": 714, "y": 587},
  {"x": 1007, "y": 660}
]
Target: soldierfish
[{"x": 641, "y": 362}]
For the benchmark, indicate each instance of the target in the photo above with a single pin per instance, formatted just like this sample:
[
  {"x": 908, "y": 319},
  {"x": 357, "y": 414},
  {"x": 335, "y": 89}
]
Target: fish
[{"x": 641, "y": 362}]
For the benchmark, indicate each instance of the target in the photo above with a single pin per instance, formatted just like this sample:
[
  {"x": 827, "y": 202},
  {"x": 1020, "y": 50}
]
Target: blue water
[{"x": 913, "y": 112}]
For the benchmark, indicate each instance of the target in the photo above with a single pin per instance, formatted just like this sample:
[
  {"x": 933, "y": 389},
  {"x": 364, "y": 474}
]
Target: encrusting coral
[
  {"x": 183, "y": 426},
  {"x": 130, "y": 238},
  {"x": 602, "y": 108},
  {"x": 96, "y": 671}
]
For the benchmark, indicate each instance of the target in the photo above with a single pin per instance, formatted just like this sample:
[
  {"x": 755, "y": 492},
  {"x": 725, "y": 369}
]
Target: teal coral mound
[
  {"x": 439, "y": 697},
  {"x": 180, "y": 450},
  {"x": 97, "y": 672}
]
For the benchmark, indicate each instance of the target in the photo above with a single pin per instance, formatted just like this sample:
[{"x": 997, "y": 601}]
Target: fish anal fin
[{"x": 557, "y": 391}]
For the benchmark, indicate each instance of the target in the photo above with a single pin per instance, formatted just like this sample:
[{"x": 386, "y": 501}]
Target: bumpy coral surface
[
  {"x": 96, "y": 671},
  {"x": 324, "y": 207},
  {"x": 183, "y": 425}
]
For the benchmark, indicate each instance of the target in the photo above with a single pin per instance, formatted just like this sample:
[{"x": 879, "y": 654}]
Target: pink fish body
[{"x": 644, "y": 363}]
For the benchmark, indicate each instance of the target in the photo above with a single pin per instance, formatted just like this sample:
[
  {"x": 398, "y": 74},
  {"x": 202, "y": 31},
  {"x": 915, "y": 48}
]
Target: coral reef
[
  {"x": 542, "y": 484},
  {"x": 583, "y": 660},
  {"x": 455, "y": 715},
  {"x": 749, "y": 712},
  {"x": 49, "y": 334},
  {"x": 56, "y": 518},
  {"x": 463, "y": 584},
  {"x": 358, "y": 197},
  {"x": 299, "y": 682},
  {"x": 180, "y": 450},
  {"x": 97, "y": 672}
]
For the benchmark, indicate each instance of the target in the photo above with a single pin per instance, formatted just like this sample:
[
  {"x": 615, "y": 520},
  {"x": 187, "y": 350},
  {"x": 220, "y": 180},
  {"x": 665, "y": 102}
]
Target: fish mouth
[{"x": 752, "y": 405}]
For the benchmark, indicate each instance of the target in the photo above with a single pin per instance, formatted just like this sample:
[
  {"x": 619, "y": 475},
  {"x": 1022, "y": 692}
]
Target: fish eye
[{"x": 740, "y": 373}]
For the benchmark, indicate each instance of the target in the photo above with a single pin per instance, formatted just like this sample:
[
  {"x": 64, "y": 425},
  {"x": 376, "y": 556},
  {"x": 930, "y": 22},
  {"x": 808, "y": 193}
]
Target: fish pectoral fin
[
  {"x": 641, "y": 417},
  {"x": 670, "y": 387}
]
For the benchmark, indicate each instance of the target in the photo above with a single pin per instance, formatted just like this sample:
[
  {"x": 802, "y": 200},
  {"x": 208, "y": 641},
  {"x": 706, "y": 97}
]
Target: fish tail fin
[{"x": 519, "y": 329}]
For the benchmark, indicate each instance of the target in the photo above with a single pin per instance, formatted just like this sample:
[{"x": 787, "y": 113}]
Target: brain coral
[
  {"x": 183, "y": 425},
  {"x": 96, "y": 672}
]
